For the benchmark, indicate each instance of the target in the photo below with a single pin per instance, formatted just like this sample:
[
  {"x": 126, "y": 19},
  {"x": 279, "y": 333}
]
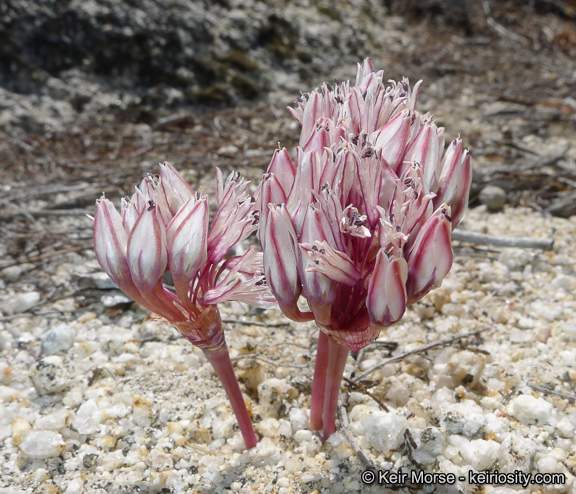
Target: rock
[
  {"x": 464, "y": 368},
  {"x": 530, "y": 410},
  {"x": 43, "y": 444},
  {"x": 58, "y": 339},
  {"x": 465, "y": 418},
  {"x": 565, "y": 428},
  {"x": 274, "y": 394},
  {"x": 88, "y": 418},
  {"x": 493, "y": 197},
  {"x": 49, "y": 375},
  {"x": 298, "y": 419},
  {"x": 98, "y": 57},
  {"x": 158, "y": 460},
  {"x": 20, "y": 429},
  {"x": 8, "y": 394},
  {"x": 268, "y": 427},
  {"x": 431, "y": 442},
  {"x": 479, "y": 454},
  {"x": 251, "y": 373},
  {"x": 55, "y": 421},
  {"x": 12, "y": 273},
  {"x": 384, "y": 431},
  {"x": 24, "y": 301}
]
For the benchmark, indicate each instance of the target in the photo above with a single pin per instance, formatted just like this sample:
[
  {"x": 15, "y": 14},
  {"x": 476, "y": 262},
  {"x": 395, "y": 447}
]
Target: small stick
[
  {"x": 42, "y": 256},
  {"x": 271, "y": 362},
  {"x": 256, "y": 323},
  {"x": 367, "y": 393},
  {"x": 350, "y": 438},
  {"x": 548, "y": 391},
  {"x": 420, "y": 349},
  {"x": 44, "y": 213},
  {"x": 522, "y": 242},
  {"x": 172, "y": 120},
  {"x": 49, "y": 315}
]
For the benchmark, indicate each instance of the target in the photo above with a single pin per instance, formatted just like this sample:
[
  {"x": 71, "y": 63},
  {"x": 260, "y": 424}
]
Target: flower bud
[
  {"x": 147, "y": 253},
  {"x": 187, "y": 237},
  {"x": 386, "y": 300},
  {"x": 430, "y": 257},
  {"x": 390, "y": 141},
  {"x": 281, "y": 259},
  {"x": 110, "y": 246}
]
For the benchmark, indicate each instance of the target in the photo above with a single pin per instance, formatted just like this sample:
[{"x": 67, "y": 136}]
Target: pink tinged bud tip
[
  {"x": 147, "y": 253},
  {"x": 281, "y": 259},
  {"x": 424, "y": 150},
  {"x": 187, "y": 237},
  {"x": 386, "y": 300},
  {"x": 430, "y": 257},
  {"x": 148, "y": 260},
  {"x": 110, "y": 246},
  {"x": 390, "y": 141},
  {"x": 312, "y": 112},
  {"x": 319, "y": 290},
  {"x": 283, "y": 168},
  {"x": 455, "y": 180},
  {"x": 177, "y": 189}
]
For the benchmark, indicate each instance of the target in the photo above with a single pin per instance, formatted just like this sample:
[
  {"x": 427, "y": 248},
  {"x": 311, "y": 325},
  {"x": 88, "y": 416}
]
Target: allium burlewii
[
  {"x": 360, "y": 224},
  {"x": 165, "y": 227}
]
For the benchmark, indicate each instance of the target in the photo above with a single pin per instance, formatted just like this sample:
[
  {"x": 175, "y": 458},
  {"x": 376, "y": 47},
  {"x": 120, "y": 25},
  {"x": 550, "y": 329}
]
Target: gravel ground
[{"x": 97, "y": 398}]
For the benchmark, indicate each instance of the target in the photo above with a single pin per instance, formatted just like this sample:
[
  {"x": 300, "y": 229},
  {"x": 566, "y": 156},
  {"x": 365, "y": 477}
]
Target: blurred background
[{"x": 95, "y": 92}]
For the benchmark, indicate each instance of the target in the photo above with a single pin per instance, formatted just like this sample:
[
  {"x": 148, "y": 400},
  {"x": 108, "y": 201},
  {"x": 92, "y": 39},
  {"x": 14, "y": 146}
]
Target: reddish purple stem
[
  {"x": 319, "y": 383},
  {"x": 220, "y": 360},
  {"x": 337, "y": 355}
]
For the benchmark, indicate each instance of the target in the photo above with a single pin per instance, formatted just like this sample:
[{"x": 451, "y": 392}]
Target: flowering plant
[
  {"x": 360, "y": 224},
  {"x": 165, "y": 226}
]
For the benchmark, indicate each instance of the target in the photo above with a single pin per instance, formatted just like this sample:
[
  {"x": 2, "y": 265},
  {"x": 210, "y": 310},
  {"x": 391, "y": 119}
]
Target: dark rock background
[
  {"x": 91, "y": 84},
  {"x": 70, "y": 57},
  {"x": 60, "y": 59}
]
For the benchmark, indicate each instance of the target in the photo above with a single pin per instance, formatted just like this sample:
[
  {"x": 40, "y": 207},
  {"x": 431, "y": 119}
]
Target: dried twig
[
  {"x": 548, "y": 391},
  {"x": 501, "y": 30},
  {"x": 350, "y": 438},
  {"x": 420, "y": 349},
  {"x": 48, "y": 315},
  {"x": 521, "y": 242},
  {"x": 256, "y": 323},
  {"x": 172, "y": 120},
  {"x": 44, "y": 213},
  {"x": 271, "y": 362},
  {"x": 363, "y": 390},
  {"x": 522, "y": 165},
  {"x": 42, "y": 256}
]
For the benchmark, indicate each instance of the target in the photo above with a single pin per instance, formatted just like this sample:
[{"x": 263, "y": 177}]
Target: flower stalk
[
  {"x": 359, "y": 225},
  {"x": 165, "y": 227},
  {"x": 220, "y": 361}
]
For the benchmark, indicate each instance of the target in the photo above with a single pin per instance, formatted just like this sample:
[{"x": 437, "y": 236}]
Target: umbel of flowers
[
  {"x": 165, "y": 227},
  {"x": 360, "y": 224}
]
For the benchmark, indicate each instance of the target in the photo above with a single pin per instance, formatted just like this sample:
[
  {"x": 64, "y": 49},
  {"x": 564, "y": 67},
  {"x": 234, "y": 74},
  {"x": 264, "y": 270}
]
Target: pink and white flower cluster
[
  {"x": 360, "y": 224},
  {"x": 165, "y": 227}
]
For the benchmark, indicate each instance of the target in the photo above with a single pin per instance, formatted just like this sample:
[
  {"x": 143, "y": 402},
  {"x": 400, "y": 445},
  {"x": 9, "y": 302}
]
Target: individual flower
[
  {"x": 360, "y": 224},
  {"x": 165, "y": 227}
]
